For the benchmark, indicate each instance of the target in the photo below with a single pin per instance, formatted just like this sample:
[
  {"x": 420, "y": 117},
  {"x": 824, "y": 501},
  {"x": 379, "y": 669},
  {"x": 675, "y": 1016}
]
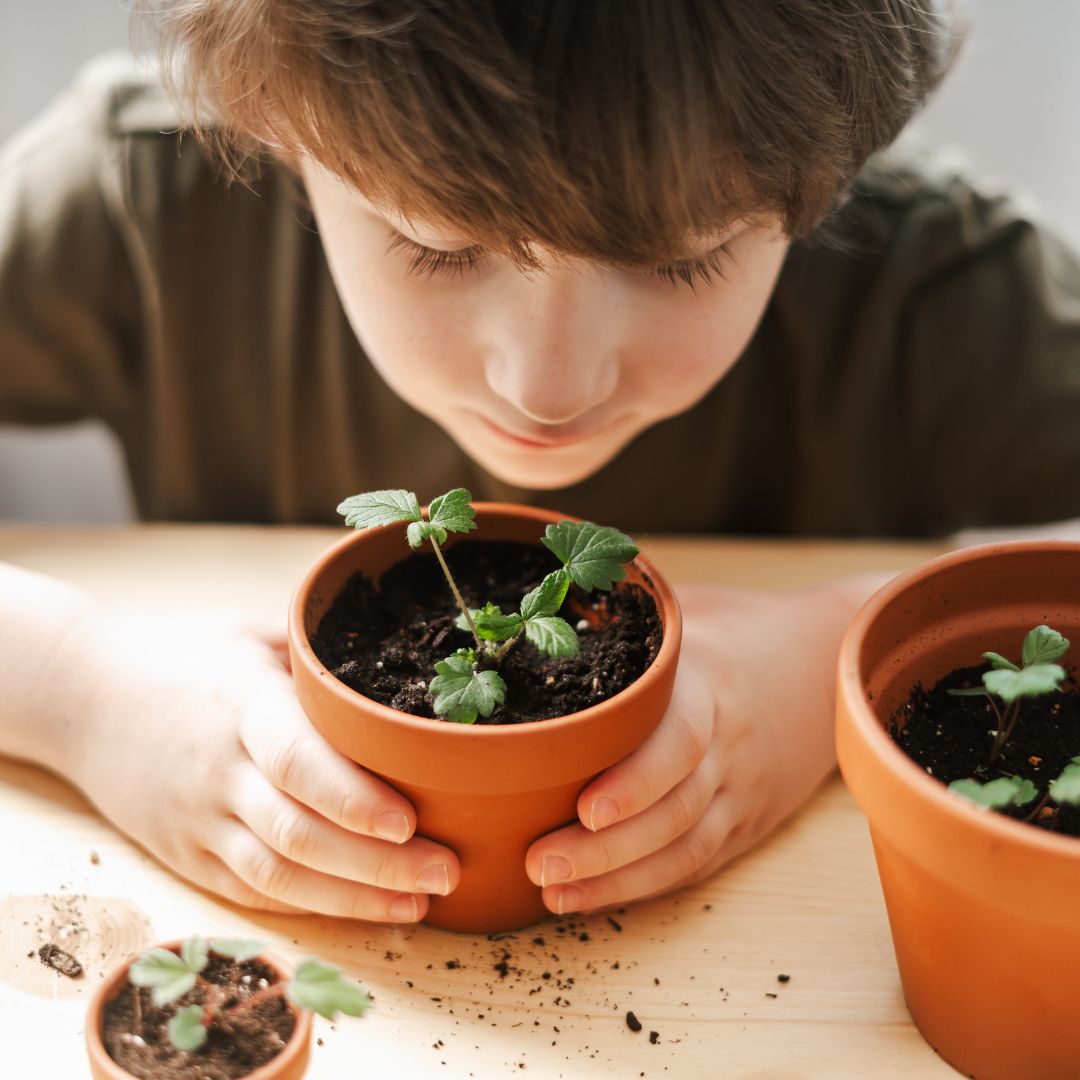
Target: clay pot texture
[
  {"x": 290, "y": 1064},
  {"x": 983, "y": 909},
  {"x": 486, "y": 791}
]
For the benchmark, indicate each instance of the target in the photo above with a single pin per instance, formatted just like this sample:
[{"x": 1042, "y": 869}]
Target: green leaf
[
  {"x": 237, "y": 948},
  {"x": 547, "y": 597},
  {"x": 419, "y": 531},
  {"x": 380, "y": 508},
  {"x": 976, "y": 691},
  {"x": 1066, "y": 788},
  {"x": 163, "y": 971},
  {"x": 322, "y": 988},
  {"x": 1043, "y": 645},
  {"x": 1028, "y": 682},
  {"x": 999, "y": 661},
  {"x": 453, "y": 511},
  {"x": 592, "y": 554},
  {"x": 553, "y": 636},
  {"x": 194, "y": 952},
  {"x": 997, "y": 794},
  {"x": 186, "y": 1029},
  {"x": 461, "y": 692},
  {"x": 492, "y": 625}
]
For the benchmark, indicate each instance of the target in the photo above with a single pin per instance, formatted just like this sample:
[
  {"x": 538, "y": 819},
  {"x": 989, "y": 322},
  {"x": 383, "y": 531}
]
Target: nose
[{"x": 552, "y": 350}]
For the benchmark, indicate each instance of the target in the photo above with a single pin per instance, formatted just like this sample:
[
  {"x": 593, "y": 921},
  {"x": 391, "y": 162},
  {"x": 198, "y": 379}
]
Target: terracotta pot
[
  {"x": 290, "y": 1064},
  {"x": 486, "y": 791},
  {"x": 983, "y": 909}
]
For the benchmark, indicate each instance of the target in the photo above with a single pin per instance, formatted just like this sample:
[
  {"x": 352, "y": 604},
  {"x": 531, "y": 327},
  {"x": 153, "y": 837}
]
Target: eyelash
[{"x": 431, "y": 262}]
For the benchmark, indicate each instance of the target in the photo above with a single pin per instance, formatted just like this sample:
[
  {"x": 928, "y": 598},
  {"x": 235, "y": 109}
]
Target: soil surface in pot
[
  {"x": 383, "y": 642},
  {"x": 952, "y": 738},
  {"x": 136, "y": 1030}
]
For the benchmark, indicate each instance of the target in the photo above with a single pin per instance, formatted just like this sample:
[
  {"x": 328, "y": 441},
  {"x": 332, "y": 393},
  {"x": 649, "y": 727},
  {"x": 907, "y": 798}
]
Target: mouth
[{"x": 538, "y": 440}]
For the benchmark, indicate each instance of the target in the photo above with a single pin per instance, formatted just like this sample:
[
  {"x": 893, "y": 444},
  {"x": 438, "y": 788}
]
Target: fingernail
[
  {"x": 603, "y": 813},
  {"x": 553, "y": 869},
  {"x": 569, "y": 899},
  {"x": 392, "y": 826},
  {"x": 404, "y": 908},
  {"x": 434, "y": 879}
]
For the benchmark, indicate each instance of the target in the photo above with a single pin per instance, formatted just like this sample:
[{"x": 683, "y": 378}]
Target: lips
[{"x": 550, "y": 439}]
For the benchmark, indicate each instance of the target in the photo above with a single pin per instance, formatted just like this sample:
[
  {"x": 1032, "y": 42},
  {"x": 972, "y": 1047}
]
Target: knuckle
[
  {"x": 382, "y": 869},
  {"x": 684, "y": 809},
  {"x": 694, "y": 851},
  {"x": 284, "y": 762},
  {"x": 290, "y": 833},
  {"x": 270, "y": 874},
  {"x": 695, "y": 733}
]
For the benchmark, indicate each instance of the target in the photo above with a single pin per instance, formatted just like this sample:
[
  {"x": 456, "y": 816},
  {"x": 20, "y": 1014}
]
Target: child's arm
[
  {"x": 188, "y": 737},
  {"x": 746, "y": 740}
]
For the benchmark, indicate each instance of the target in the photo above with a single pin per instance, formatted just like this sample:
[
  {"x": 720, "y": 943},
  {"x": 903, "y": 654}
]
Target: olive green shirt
[{"x": 917, "y": 374}]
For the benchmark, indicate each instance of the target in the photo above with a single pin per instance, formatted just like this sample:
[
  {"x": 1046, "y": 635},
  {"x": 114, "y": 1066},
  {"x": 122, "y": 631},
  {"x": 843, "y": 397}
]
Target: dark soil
[
  {"x": 384, "y": 642},
  {"x": 951, "y": 738},
  {"x": 136, "y": 1035}
]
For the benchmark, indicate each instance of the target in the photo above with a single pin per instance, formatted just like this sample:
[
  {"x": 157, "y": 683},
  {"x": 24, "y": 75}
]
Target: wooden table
[{"x": 698, "y": 967}]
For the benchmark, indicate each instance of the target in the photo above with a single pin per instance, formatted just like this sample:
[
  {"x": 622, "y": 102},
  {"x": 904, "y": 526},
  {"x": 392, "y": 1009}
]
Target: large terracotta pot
[
  {"x": 983, "y": 909},
  {"x": 486, "y": 791},
  {"x": 290, "y": 1064}
]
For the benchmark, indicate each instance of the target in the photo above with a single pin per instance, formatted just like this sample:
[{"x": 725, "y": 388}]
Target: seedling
[
  {"x": 315, "y": 985},
  {"x": 467, "y": 684},
  {"x": 1034, "y": 676}
]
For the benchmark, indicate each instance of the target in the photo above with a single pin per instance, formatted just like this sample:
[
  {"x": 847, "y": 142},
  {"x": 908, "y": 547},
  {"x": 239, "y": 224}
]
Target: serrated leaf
[
  {"x": 195, "y": 953},
  {"x": 1028, "y": 682},
  {"x": 493, "y": 625},
  {"x": 237, "y": 948},
  {"x": 419, "y": 531},
  {"x": 372, "y": 508},
  {"x": 553, "y": 636},
  {"x": 322, "y": 988},
  {"x": 186, "y": 1028},
  {"x": 1000, "y": 662},
  {"x": 1066, "y": 788},
  {"x": 996, "y": 794},
  {"x": 1043, "y": 645},
  {"x": 453, "y": 511},
  {"x": 592, "y": 554},
  {"x": 461, "y": 692},
  {"x": 547, "y": 597},
  {"x": 164, "y": 972}
]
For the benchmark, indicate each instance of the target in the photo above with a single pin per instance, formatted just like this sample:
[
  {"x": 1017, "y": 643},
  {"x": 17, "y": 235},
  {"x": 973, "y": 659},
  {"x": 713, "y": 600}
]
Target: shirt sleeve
[
  {"x": 990, "y": 373},
  {"x": 69, "y": 323}
]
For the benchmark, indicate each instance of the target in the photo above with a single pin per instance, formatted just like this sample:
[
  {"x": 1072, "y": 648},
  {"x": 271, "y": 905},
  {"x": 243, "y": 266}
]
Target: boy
[{"x": 540, "y": 236}]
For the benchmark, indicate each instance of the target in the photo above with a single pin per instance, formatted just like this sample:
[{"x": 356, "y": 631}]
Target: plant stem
[
  {"x": 503, "y": 649},
  {"x": 265, "y": 994},
  {"x": 998, "y": 740},
  {"x": 1006, "y": 724},
  {"x": 457, "y": 595},
  {"x": 1041, "y": 803}
]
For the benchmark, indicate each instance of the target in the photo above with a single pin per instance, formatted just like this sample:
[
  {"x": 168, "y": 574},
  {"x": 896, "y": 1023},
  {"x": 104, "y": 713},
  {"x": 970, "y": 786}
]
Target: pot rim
[
  {"x": 108, "y": 988},
  {"x": 870, "y": 731},
  {"x": 661, "y": 592}
]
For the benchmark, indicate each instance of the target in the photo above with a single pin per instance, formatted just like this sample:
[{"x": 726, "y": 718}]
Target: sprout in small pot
[
  {"x": 972, "y": 739},
  {"x": 219, "y": 1010}
]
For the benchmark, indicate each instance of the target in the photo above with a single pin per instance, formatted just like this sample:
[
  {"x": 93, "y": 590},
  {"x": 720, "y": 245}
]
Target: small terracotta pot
[
  {"x": 486, "y": 791},
  {"x": 983, "y": 909},
  {"x": 290, "y": 1064}
]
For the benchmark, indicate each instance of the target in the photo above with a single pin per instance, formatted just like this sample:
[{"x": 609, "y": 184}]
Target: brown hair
[{"x": 606, "y": 129}]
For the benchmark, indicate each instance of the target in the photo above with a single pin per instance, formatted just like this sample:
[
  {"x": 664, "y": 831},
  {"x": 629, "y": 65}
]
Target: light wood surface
[{"x": 698, "y": 967}]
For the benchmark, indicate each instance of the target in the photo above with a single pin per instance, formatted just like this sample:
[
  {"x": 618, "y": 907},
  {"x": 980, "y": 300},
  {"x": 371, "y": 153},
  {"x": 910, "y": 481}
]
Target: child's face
[{"x": 542, "y": 377}]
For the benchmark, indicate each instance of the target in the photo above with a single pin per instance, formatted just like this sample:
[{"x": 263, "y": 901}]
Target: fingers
[
  {"x": 300, "y": 836},
  {"x": 212, "y": 874},
  {"x": 296, "y": 759},
  {"x": 574, "y": 853},
  {"x": 711, "y": 842},
  {"x": 269, "y": 877},
  {"x": 669, "y": 754}
]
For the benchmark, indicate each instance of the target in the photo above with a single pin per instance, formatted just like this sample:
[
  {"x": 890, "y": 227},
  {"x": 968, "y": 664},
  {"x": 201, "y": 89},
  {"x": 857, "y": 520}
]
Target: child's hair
[{"x": 607, "y": 129}]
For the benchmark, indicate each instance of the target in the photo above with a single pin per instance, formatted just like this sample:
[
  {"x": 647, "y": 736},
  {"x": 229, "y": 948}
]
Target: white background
[{"x": 1011, "y": 108}]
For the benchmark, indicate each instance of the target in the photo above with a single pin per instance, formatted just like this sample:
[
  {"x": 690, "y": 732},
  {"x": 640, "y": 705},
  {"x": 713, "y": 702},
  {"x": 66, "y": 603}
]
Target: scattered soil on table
[
  {"x": 136, "y": 1030},
  {"x": 384, "y": 642},
  {"x": 952, "y": 737}
]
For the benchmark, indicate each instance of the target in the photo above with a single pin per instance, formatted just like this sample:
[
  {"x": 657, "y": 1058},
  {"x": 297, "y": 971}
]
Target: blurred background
[{"x": 1011, "y": 108}]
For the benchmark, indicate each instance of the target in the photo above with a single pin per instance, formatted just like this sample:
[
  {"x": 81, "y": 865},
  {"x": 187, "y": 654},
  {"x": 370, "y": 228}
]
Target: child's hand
[
  {"x": 746, "y": 739},
  {"x": 190, "y": 739}
]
